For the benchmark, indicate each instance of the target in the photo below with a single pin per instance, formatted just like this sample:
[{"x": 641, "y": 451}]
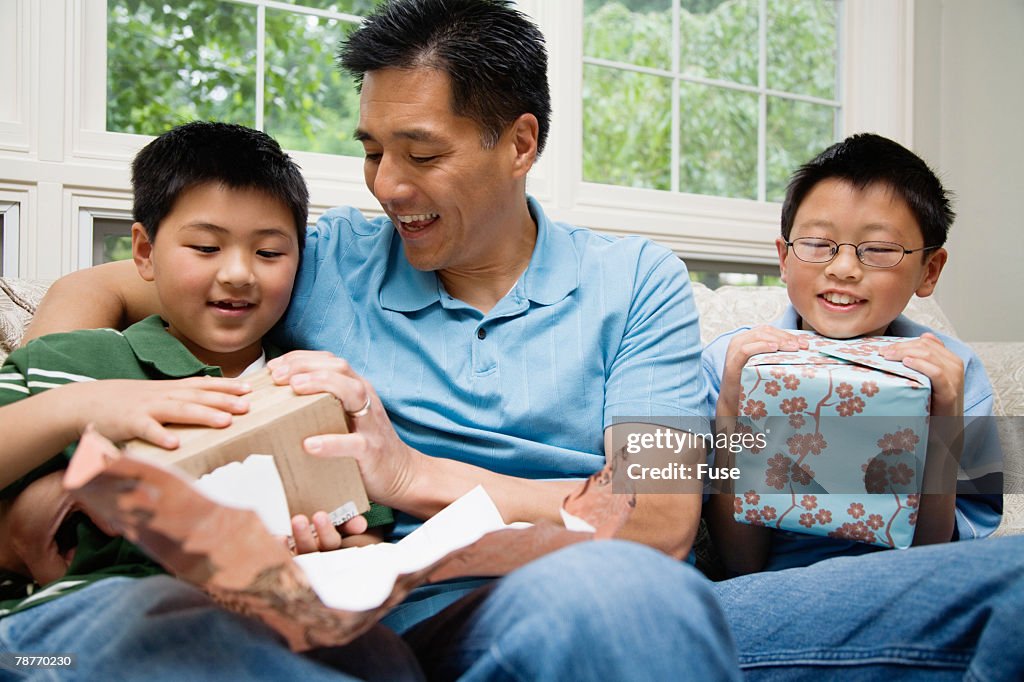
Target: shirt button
[{"x": 481, "y": 333}]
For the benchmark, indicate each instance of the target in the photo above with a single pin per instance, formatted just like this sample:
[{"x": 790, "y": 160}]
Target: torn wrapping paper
[{"x": 323, "y": 599}]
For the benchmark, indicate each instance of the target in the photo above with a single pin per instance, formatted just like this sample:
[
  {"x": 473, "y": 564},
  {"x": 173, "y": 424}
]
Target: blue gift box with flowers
[{"x": 845, "y": 433}]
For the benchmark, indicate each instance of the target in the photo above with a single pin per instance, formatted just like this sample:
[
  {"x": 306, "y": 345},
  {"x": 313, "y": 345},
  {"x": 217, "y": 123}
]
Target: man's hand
[
  {"x": 122, "y": 409},
  {"x": 386, "y": 463}
]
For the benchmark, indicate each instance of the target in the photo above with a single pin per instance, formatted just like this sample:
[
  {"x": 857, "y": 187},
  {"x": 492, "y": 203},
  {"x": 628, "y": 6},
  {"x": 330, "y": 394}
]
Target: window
[
  {"x": 714, "y": 274},
  {"x": 9, "y": 229},
  {"x": 260, "y": 63},
  {"x": 716, "y": 97},
  {"x": 118, "y": 71},
  {"x": 111, "y": 239}
]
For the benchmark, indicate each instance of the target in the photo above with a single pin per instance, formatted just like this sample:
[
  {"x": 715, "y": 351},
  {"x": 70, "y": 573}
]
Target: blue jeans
[
  {"x": 159, "y": 628},
  {"x": 593, "y": 611},
  {"x": 605, "y": 610},
  {"x": 952, "y": 611}
]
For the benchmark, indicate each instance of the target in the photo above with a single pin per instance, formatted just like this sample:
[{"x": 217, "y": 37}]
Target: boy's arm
[
  {"x": 38, "y": 427},
  {"x": 936, "y": 517},
  {"x": 108, "y": 295},
  {"x": 744, "y": 548}
]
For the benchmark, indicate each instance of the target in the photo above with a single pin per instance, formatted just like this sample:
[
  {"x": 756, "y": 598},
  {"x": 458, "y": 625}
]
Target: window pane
[
  {"x": 714, "y": 274},
  {"x": 168, "y": 63},
  {"x": 803, "y": 39},
  {"x": 627, "y": 128},
  {"x": 632, "y": 31},
  {"x": 797, "y": 131},
  {"x": 719, "y": 40},
  {"x": 116, "y": 248},
  {"x": 717, "y": 141},
  {"x": 1, "y": 244},
  {"x": 308, "y": 104}
]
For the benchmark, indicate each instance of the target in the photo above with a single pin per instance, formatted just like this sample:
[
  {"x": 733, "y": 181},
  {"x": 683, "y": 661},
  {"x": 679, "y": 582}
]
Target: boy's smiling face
[
  {"x": 844, "y": 298},
  {"x": 224, "y": 263}
]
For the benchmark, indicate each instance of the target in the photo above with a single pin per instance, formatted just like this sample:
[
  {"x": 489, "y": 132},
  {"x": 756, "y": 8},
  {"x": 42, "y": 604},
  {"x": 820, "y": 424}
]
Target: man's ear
[
  {"x": 932, "y": 269},
  {"x": 780, "y": 246},
  {"x": 524, "y": 133},
  {"x": 142, "y": 251}
]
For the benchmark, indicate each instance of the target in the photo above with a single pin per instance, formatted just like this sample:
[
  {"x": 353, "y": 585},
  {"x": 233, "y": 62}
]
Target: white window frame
[
  {"x": 87, "y": 209},
  {"x": 10, "y": 234},
  {"x": 15, "y": 74}
]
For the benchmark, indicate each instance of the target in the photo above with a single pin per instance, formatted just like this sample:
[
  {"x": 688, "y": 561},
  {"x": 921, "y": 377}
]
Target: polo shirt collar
[
  {"x": 553, "y": 272},
  {"x": 154, "y": 346}
]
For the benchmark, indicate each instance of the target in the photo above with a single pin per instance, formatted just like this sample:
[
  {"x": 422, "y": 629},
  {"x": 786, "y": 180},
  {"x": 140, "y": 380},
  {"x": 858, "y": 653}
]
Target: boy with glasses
[{"x": 863, "y": 226}]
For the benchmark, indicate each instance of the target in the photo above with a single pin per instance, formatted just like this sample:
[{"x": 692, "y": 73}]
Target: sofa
[{"x": 723, "y": 309}]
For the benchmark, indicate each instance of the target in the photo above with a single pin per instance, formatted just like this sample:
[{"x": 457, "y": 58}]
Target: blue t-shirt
[
  {"x": 596, "y": 328},
  {"x": 977, "y": 515}
]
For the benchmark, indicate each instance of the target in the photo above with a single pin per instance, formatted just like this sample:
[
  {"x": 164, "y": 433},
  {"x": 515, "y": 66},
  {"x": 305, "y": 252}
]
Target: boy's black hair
[
  {"x": 866, "y": 159},
  {"x": 492, "y": 53},
  {"x": 200, "y": 152}
]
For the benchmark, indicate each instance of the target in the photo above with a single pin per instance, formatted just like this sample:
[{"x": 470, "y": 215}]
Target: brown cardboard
[{"x": 276, "y": 424}]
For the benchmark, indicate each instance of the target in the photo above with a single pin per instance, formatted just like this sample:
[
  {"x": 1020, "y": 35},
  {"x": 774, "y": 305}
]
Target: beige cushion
[
  {"x": 728, "y": 307},
  {"x": 18, "y": 301}
]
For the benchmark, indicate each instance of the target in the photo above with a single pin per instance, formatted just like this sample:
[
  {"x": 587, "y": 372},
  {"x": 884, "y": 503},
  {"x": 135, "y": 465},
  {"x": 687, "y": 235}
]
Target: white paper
[
  {"x": 575, "y": 523},
  {"x": 253, "y": 484},
  {"x": 361, "y": 578}
]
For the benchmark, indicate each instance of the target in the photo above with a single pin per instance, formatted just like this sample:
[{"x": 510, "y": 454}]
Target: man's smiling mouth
[{"x": 417, "y": 221}]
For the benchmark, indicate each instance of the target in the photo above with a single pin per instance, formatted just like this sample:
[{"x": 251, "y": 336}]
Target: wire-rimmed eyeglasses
[{"x": 872, "y": 254}]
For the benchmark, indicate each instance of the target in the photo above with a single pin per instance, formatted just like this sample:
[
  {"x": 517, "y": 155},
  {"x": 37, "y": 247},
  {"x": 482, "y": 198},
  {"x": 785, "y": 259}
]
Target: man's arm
[
  {"x": 108, "y": 295},
  {"x": 403, "y": 478}
]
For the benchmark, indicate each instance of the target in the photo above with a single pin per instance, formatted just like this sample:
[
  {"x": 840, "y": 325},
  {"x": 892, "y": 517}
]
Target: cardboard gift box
[
  {"x": 844, "y": 434},
  {"x": 277, "y": 422}
]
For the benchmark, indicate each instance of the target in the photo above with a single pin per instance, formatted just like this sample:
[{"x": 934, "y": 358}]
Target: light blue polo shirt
[
  {"x": 596, "y": 328},
  {"x": 977, "y": 515}
]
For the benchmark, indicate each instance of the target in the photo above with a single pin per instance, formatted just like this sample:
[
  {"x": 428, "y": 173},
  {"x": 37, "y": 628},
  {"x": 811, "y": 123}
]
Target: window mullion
[
  {"x": 762, "y": 100},
  {"x": 676, "y": 69},
  {"x": 261, "y": 47}
]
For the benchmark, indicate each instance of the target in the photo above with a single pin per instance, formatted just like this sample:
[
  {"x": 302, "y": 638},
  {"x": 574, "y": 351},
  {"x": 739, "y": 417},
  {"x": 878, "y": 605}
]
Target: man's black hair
[
  {"x": 868, "y": 159},
  {"x": 492, "y": 53},
  {"x": 202, "y": 152}
]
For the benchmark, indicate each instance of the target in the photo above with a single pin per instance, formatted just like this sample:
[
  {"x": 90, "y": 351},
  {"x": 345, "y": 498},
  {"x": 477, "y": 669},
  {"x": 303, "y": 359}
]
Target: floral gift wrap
[{"x": 845, "y": 434}]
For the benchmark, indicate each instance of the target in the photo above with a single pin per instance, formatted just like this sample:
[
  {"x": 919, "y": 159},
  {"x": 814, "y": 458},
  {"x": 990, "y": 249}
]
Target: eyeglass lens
[{"x": 876, "y": 254}]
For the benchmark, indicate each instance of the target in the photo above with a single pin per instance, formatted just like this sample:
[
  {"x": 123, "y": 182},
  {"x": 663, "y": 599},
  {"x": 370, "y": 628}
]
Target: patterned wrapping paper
[{"x": 845, "y": 435}]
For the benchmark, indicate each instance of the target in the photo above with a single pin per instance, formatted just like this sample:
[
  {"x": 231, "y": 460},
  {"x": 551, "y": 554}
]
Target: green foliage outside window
[
  {"x": 627, "y": 124},
  {"x": 172, "y": 62}
]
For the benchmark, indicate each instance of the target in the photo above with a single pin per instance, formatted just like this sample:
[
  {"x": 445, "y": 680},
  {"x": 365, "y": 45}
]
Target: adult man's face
[{"x": 457, "y": 205}]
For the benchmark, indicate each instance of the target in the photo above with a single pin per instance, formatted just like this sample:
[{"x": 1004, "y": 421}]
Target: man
[{"x": 485, "y": 344}]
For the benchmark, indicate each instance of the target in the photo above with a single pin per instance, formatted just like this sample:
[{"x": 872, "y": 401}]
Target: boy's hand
[
  {"x": 320, "y": 535},
  {"x": 762, "y": 339},
  {"x": 936, "y": 517},
  {"x": 122, "y": 409},
  {"x": 942, "y": 366}
]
